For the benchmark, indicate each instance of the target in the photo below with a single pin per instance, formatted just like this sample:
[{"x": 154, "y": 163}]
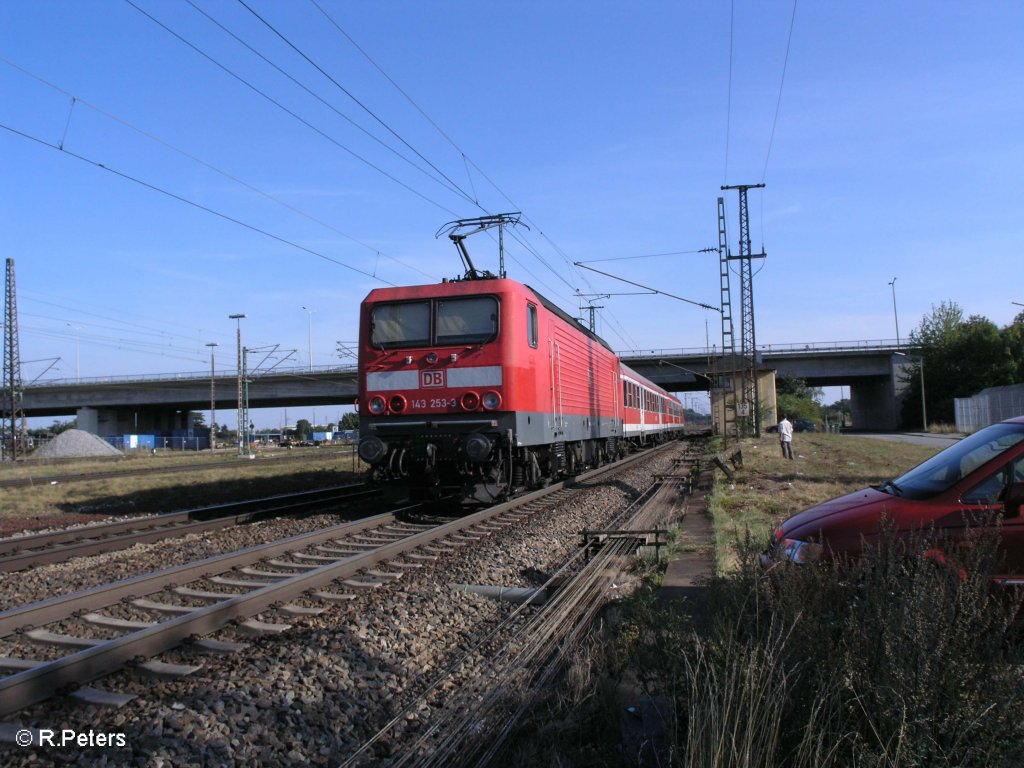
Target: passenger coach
[{"x": 484, "y": 386}]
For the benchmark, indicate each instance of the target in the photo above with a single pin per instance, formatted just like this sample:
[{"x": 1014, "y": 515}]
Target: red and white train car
[{"x": 485, "y": 386}]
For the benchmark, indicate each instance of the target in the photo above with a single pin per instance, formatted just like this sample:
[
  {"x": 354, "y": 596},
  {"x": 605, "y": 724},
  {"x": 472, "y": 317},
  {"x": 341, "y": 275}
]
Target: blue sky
[{"x": 896, "y": 152}]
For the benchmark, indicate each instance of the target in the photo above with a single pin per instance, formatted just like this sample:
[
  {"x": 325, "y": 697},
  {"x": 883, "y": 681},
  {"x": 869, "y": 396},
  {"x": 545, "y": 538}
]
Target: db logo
[{"x": 432, "y": 379}]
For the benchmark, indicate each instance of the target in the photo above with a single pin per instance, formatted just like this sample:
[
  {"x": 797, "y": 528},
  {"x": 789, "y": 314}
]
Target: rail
[
  {"x": 20, "y": 552},
  {"x": 145, "y": 640}
]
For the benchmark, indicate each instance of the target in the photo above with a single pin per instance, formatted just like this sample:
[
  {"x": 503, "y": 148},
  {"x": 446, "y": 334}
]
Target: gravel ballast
[{"x": 314, "y": 694}]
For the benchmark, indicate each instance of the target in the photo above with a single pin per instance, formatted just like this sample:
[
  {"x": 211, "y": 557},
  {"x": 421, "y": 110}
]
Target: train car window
[
  {"x": 405, "y": 324},
  {"x": 467, "y": 321},
  {"x": 532, "y": 331}
]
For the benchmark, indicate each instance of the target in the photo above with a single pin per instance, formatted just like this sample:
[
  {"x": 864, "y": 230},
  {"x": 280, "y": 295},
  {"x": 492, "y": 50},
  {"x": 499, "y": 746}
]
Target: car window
[
  {"x": 990, "y": 490},
  {"x": 946, "y": 468}
]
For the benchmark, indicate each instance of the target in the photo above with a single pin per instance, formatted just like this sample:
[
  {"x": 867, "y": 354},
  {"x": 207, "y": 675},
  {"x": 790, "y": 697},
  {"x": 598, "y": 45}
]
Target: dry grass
[
  {"x": 770, "y": 488},
  {"x": 214, "y": 479},
  {"x": 888, "y": 662}
]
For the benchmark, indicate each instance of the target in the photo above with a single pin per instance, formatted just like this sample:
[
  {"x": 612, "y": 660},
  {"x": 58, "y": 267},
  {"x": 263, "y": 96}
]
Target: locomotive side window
[
  {"x": 532, "y": 332},
  {"x": 404, "y": 324},
  {"x": 467, "y": 321}
]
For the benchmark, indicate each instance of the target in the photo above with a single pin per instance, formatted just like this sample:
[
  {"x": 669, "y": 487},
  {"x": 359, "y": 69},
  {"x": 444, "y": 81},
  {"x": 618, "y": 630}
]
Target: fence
[{"x": 988, "y": 407}]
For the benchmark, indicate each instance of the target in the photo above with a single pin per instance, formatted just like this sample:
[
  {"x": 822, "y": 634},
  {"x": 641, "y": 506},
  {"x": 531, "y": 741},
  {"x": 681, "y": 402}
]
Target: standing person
[{"x": 786, "y": 438}]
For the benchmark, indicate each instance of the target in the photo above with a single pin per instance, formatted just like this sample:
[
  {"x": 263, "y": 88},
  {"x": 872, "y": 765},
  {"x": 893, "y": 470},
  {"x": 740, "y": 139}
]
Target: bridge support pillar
[
  {"x": 876, "y": 404},
  {"x": 106, "y": 422}
]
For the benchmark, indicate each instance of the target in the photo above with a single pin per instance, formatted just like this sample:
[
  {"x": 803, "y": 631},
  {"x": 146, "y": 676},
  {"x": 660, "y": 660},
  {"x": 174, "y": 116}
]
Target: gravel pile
[
  {"x": 312, "y": 695},
  {"x": 74, "y": 443}
]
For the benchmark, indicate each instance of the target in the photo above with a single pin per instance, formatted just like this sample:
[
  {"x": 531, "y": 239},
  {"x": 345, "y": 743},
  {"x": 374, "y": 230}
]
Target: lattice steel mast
[
  {"x": 13, "y": 417},
  {"x": 748, "y": 337},
  {"x": 728, "y": 342}
]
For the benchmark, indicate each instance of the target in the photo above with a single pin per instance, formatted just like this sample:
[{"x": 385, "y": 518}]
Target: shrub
[{"x": 893, "y": 660}]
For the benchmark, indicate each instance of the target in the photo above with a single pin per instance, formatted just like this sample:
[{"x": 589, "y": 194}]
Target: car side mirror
[{"x": 1013, "y": 500}]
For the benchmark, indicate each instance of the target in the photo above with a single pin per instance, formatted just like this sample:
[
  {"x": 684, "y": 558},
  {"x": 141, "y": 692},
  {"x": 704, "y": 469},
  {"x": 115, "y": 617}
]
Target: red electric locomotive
[{"x": 483, "y": 386}]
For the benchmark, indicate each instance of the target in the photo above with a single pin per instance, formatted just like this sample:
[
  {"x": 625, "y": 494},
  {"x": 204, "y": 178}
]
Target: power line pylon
[
  {"x": 12, "y": 417},
  {"x": 750, "y": 401},
  {"x": 729, "y": 366}
]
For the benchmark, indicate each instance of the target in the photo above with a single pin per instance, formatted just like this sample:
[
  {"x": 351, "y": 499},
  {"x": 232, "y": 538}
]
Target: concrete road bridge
[{"x": 873, "y": 370}]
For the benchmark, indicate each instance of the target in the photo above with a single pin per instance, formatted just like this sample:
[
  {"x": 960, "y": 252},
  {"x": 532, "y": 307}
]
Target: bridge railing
[
  {"x": 193, "y": 376},
  {"x": 712, "y": 351},
  {"x": 880, "y": 345}
]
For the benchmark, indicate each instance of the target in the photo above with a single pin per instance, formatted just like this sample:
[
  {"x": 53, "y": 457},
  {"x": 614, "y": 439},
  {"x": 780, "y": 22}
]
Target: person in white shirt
[{"x": 786, "y": 438}]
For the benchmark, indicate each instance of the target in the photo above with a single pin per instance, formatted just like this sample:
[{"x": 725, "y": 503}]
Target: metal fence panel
[{"x": 988, "y": 407}]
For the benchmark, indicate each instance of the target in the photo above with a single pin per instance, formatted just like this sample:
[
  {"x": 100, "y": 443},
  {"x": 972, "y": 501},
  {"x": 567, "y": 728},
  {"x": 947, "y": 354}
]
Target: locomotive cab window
[
  {"x": 467, "y": 321},
  {"x": 404, "y": 324},
  {"x": 532, "y": 331}
]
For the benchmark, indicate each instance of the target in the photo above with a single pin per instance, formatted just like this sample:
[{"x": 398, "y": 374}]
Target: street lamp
[
  {"x": 924, "y": 407},
  {"x": 78, "y": 369},
  {"x": 309, "y": 334},
  {"x": 242, "y": 429},
  {"x": 213, "y": 395},
  {"x": 895, "y": 316}
]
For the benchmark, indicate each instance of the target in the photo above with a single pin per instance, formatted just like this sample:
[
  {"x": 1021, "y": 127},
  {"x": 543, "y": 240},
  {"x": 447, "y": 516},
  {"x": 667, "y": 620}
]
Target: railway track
[
  {"x": 273, "y": 575},
  {"x": 63, "y": 644},
  {"x": 531, "y": 646},
  {"x": 22, "y": 552}
]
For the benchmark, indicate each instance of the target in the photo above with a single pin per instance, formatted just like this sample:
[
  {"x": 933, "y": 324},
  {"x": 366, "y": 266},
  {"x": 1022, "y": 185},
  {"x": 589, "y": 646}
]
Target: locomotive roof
[
  {"x": 555, "y": 309},
  {"x": 424, "y": 291}
]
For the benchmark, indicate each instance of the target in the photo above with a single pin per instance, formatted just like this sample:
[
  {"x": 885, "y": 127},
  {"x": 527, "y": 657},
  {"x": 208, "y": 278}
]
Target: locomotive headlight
[
  {"x": 372, "y": 449},
  {"x": 377, "y": 405},
  {"x": 470, "y": 401},
  {"x": 398, "y": 403},
  {"x": 431, "y": 358},
  {"x": 491, "y": 400},
  {"x": 477, "y": 447}
]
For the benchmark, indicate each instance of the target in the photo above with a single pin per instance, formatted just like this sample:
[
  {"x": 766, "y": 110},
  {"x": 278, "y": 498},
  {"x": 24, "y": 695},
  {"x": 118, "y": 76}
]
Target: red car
[{"x": 977, "y": 482}]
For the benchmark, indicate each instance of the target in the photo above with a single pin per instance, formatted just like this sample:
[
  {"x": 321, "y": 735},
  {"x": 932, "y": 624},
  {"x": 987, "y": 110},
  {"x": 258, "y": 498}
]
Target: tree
[
  {"x": 349, "y": 421},
  {"x": 797, "y": 400},
  {"x": 840, "y": 412},
  {"x": 303, "y": 429},
  {"x": 960, "y": 357},
  {"x": 1013, "y": 339}
]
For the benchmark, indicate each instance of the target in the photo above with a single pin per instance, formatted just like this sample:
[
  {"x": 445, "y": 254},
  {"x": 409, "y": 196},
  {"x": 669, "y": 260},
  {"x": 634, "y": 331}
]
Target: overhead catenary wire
[
  {"x": 187, "y": 201},
  {"x": 778, "y": 101},
  {"x": 530, "y": 249},
  {"x": 322, "y": 100},
  {"x": 464, "y": 157},
  {"x": 352, "y": 96},
  {"x": 467, "y": 160},
  {"x": 290, "y": 112},
  {"x": 728, "y": 92},
  {"x": 205, "y": 164}
]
